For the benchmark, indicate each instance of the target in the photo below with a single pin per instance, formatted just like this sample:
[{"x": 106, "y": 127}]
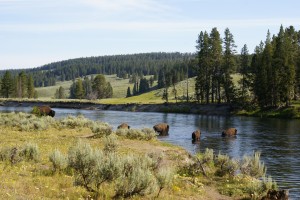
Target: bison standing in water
[
  {"x": 43, "y": 111},
  {"x": 196, "y": 135},
  {"x": 229, "y": 132},
  {"x": 162, "y": 128}
]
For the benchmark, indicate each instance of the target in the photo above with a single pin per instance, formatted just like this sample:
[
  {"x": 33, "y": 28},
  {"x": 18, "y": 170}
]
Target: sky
[{"x": 38, "y": 32}]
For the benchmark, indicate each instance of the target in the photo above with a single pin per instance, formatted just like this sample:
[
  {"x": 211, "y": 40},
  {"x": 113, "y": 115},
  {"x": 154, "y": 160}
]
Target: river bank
[{"x": 193, "y": 108}]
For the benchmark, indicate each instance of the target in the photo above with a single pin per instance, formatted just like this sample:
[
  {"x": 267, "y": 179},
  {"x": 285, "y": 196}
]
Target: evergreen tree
[
  {"x": 102, "y": 88},
  {"x": 228, "y": 65},
  {"x": 87, "y": 86},
  {"x": 128, "y": 92},
  {"x": 60, "y": 93},
  {"x": 22, "y": 85},
  {"x": 7, "y": 85},
  {"x": 79, "y": 90},
  {"x": 134, "y": 90},
  {"x": 244, "y": 70},
  {"x": 143, "y": 86},
  {"x": 216, "y": 63},
  {"x": 30, "y": 87}
]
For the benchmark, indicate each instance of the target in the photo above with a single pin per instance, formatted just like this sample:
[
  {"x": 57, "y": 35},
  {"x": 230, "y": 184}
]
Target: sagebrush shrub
[
  {"x": 253, "y": 166},
  {"x": 30, "y": 152},
  {"x": 164, "y": 178},
  {"x": 144, "y": 134},
  {"x": 84, "y": 160},
  {"x": 58, "y": 160},
  {"x": 110, "y": 143},
  {"x": 100, "y": 129},
  {"x": 136, "y": 178}
]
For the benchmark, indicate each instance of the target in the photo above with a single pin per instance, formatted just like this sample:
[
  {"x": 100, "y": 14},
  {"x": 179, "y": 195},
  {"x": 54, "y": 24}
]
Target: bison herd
[{"x": 161, "y": 128}]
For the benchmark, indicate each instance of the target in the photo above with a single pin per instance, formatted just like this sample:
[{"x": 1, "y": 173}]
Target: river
[{"x": 278, "y": 140}]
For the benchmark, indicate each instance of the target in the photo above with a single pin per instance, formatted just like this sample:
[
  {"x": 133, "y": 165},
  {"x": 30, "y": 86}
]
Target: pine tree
[
  {"x": 244, "y": 70},
  {"x": 143, "y": 86},
  {"x": 7, "y": 85},
  {"x": 228, "y": 65},
  {"x": 216, "y": 63},
  {"x": 102, "y": 88},
  {"x": 30, "y": 87},
  {"x": 79, "y": 90},
  {"x": 128, "y": 92}
]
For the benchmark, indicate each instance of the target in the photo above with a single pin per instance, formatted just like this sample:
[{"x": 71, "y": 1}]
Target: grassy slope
[{"x": 120, "y": 90}]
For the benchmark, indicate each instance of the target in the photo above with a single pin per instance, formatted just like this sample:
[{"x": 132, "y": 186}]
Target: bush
[
  {"x": 136, "y": 178},
  {"x": 58, "y": 160},
  {"x": 84, "y": 161},
  {"x": 252, "y": 166},
  {"x": 164, "y": 178},
  {"x": 226, "y": 165},
  {"x": 144, "y": 134},
  {"x": 15, "y": 154},
  {"x": 75, "y": 122},
  {"x": 108, "y": 169},
  {"x": 30, "y": 152},
  {"x": 110, "y": 143},
  {"x": 101, "y": 129}
]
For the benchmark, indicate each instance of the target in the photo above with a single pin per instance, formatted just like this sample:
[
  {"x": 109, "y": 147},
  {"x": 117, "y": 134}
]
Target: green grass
[{"x": 120, "y": 90}]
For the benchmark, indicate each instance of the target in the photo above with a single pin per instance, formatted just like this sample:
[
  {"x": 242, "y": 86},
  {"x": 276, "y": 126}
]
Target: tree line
[
  {"x": 89, "y": 88},
  {"x": 18, "y": 86},
  {"x": 123, "y": 65},
  {"x": 270, "y": 77}
]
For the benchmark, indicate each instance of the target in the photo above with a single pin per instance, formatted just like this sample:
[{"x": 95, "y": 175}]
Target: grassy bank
[
  {"x": 292, "y": 112},
  {"x": 78, "y": 158}
]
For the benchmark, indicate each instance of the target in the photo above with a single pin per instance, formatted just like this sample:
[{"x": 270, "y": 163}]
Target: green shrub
[
  {"x": 101, "y": 129},
  {"x": 136, "y": 178},
  {"x": 110, "y": 143},
  {"x": 84, "y": 160},
  {"x": 164, "y": 178},
  {"x": 75, "y": 122},
  {"x": 58, "y": 160},
  {"x": 253, "y": 166},
  {"x": 226, "y": 166},
  {"x": 144, "y": 134},
  {"x": 30, "y": 152},
  {"x": 108, "y": 169}
]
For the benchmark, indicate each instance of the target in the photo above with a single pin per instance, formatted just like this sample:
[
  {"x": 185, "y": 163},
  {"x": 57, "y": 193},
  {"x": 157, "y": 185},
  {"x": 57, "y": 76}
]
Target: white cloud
[
  {"x": 121, "y": 5},
  {"x": 165, "y": 26}
]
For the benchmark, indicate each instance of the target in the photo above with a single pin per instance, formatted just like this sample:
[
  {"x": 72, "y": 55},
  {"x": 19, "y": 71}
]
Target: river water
[{"x": 278, "y": 140}]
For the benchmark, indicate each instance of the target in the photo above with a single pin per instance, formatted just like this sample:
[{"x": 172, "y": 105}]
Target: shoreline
[{"x": 187, "y": 108}]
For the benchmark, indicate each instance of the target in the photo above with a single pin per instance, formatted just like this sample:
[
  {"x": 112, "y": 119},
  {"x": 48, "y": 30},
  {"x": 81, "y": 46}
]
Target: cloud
[
  {"x": 163, "y": 26},
  {"x": 121, "y": 5}
]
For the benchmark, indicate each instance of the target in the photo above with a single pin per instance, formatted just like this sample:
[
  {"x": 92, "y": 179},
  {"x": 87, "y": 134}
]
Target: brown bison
[
  {"x": 161, "y": 128},
  {"x": 196, "y": 135},
  {"x": 274, "y": 194},
  {"x": 123, "y": 126},
  {"x": 229, "y": 132},
  {"x": 44, "y": 111}
]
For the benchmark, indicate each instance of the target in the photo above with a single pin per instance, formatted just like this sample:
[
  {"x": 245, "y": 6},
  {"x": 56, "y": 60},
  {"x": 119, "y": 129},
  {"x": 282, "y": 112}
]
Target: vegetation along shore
[{"x": 74, "y": 157}]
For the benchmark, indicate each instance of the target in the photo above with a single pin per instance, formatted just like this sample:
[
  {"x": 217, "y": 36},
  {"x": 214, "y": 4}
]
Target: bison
[
  {"x": 162, "y": 129},
  {"x": 229, "y": 132},
  {"x": 123, "y": 126},
  {"x": 43, "y": 111},
  {"x": 196, "y": 135}
]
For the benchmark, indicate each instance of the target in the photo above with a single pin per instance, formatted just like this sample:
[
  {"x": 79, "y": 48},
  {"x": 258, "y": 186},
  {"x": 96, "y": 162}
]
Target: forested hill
[{"x": 141, "y": 64}]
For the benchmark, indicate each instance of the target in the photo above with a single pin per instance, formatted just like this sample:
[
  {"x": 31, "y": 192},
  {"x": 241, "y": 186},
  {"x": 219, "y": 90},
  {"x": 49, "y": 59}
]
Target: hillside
[
  {"x": 119, "y": 91},
  {"x": 141, "y": 64}
]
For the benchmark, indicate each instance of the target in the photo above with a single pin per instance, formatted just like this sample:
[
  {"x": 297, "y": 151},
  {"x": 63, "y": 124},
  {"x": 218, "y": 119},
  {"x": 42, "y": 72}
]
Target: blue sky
[{"x": 37, "y": 32}]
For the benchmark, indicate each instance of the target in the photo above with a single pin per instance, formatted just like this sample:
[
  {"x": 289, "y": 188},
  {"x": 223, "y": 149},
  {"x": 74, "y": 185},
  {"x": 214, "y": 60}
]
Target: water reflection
[{"x": 278, "y": 140}]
